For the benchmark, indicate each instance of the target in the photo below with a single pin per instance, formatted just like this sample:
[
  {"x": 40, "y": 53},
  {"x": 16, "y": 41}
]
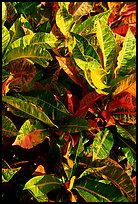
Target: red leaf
[
  {"x": 134, "y": 181},
  {"x": 122, "y": 29},
  {"x": 70, "y": 101},
  {"x": 87, "y": 102}
]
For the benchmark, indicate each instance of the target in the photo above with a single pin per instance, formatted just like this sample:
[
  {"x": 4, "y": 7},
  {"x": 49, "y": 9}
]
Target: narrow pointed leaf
[
  {"x": 102, "y": 144},
  {"x": 107, "y": 44},
  {"x": 64, "y": 20},
  {"x": 28, "y": 108},
  {"x": 4, "y": 12},
  {"x": 8, "y": 127},
  {"x": 126, "y": 61},
  {"x": 39, "y": 186}
]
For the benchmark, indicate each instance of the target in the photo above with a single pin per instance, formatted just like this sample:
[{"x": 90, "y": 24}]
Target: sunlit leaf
[
  {"x": 31, "y": 135},
  {"x": 64, "y": 20},
  {"x": 4, "y": 12},
  {"x": 107, "y": 44},
  {"x": 126, "y": 60},
  {"x": 28, "y": 108},
  {"x": 39, "y": 186},
  {"x": 8, "y": 127},
  {"x": 102, "y": 144}
]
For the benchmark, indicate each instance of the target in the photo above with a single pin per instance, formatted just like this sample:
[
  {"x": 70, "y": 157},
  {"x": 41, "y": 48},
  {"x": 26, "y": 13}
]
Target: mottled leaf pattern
[{"x": 8, "y": 127}]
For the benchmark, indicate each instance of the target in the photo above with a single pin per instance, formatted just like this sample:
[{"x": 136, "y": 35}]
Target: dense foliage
[{"x": 69, "y": 101}]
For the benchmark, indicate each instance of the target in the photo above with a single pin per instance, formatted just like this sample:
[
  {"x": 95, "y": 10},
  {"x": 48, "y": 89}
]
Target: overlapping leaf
[
  {"x": 31, "y": 135},
  {"x": 126, "y": 60},
  {"x": 5, "y": 38},
  {"x": 102, "y": 144},
  {"x": 41, "y": 185},
  {"x": 8, "y": 127},
  {"x": 107, "y": 44},
  {"x": 112, "y": 171},
  {"x": 93, "y": 191},
  {"x": 8, "y": 173},
  {"x": 28, "y": 108}
]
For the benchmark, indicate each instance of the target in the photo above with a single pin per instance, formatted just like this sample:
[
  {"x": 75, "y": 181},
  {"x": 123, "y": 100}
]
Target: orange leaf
[
  {"x": 39, "y": 171},
  {"x": 5, "y": 85}
]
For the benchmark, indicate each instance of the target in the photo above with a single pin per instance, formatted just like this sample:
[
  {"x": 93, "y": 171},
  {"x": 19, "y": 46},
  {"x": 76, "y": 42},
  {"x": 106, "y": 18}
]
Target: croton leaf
[
  {"x": 123, "y": 107},
  {"x": 39, "y": 186},
  {"x": 64, "y": 20},
  {"x": 86, "y": 103},
  {"x": 74, "y": 124},
  {"x": 5, "y": 38},
  {"x": 128, "y": 84},
  {"x": 94, "y": 191},
  {"x": 31, "y": 134},
  {"x": 126, "y": 60},
  {"x": 4, "y": 13},
  {"x": 105, "y": 38},
  {"x": 112, "y": 171},
  {"x": 55, "y": 109},
  {"x": 28, "y": 108},
  {"x": 102, "y": 144},
  {"x": 8, "y": 173},
  {"x": 128, "y": 132},
  {"x": 8, "y": 127}
]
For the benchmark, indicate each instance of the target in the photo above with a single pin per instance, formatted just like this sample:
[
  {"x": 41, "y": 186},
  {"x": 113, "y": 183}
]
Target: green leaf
[
  {"x": 28, "y": 108},
  {"x": 8, "y": 127},
  {"x": 5, "y": 75},
  {"x": 93, "y": 191},
  {"x": 8, "y": 173},
  {"x": 128, "y": 132},
  {"x": 102, "y": 144},
  {"x": 39, "y": 186},
  {"x": 87, "y": 26},
  {"x": 93, "y": 71},
  {"x": 107, "y": 44},
  {"x": 33, "y": 47},
  {"x": 64, "y": 20},
  {"x": 5, "y": 38},
  {"x": 4, "y": 13},
  {"x": 112, "y": 171},
  {"x": 55, "y": 109},
  {"x": 126, "y": 61},
  {"x": 31, "y": 134},
  {"x": 74, "y": 125}
]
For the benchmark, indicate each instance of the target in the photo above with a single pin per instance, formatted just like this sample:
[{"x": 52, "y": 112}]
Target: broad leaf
[
  {"x": 31, "y": 135},
  {"x": 74, "y": 125},
  {"x": 8, "y": 127},
  {"x": 102, "y": 144},
  {"x": 93, "y": 191},
  {"x": 28, "y": 108},
  {"x": 87, "y": 26},
  {"x": 128, "y": 132},
  {"x": 64, "y": 20},
  {"x": 107, "y": 44},
  {"x": 55, "y": 109},
  {"x": 126, "y": 60},
  {"x": 112, "y": 171},
  {"x": 128, "y": 84},
  {"x": 39, "y": 186}
]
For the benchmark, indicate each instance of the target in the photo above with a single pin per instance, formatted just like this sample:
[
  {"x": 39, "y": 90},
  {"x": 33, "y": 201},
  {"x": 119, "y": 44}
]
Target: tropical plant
[{"x": 69, "y": 101}]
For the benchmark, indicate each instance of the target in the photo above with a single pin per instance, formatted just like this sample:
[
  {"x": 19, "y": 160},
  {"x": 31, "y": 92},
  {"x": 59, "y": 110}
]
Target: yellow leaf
[{"x": 71, "y": 183}]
